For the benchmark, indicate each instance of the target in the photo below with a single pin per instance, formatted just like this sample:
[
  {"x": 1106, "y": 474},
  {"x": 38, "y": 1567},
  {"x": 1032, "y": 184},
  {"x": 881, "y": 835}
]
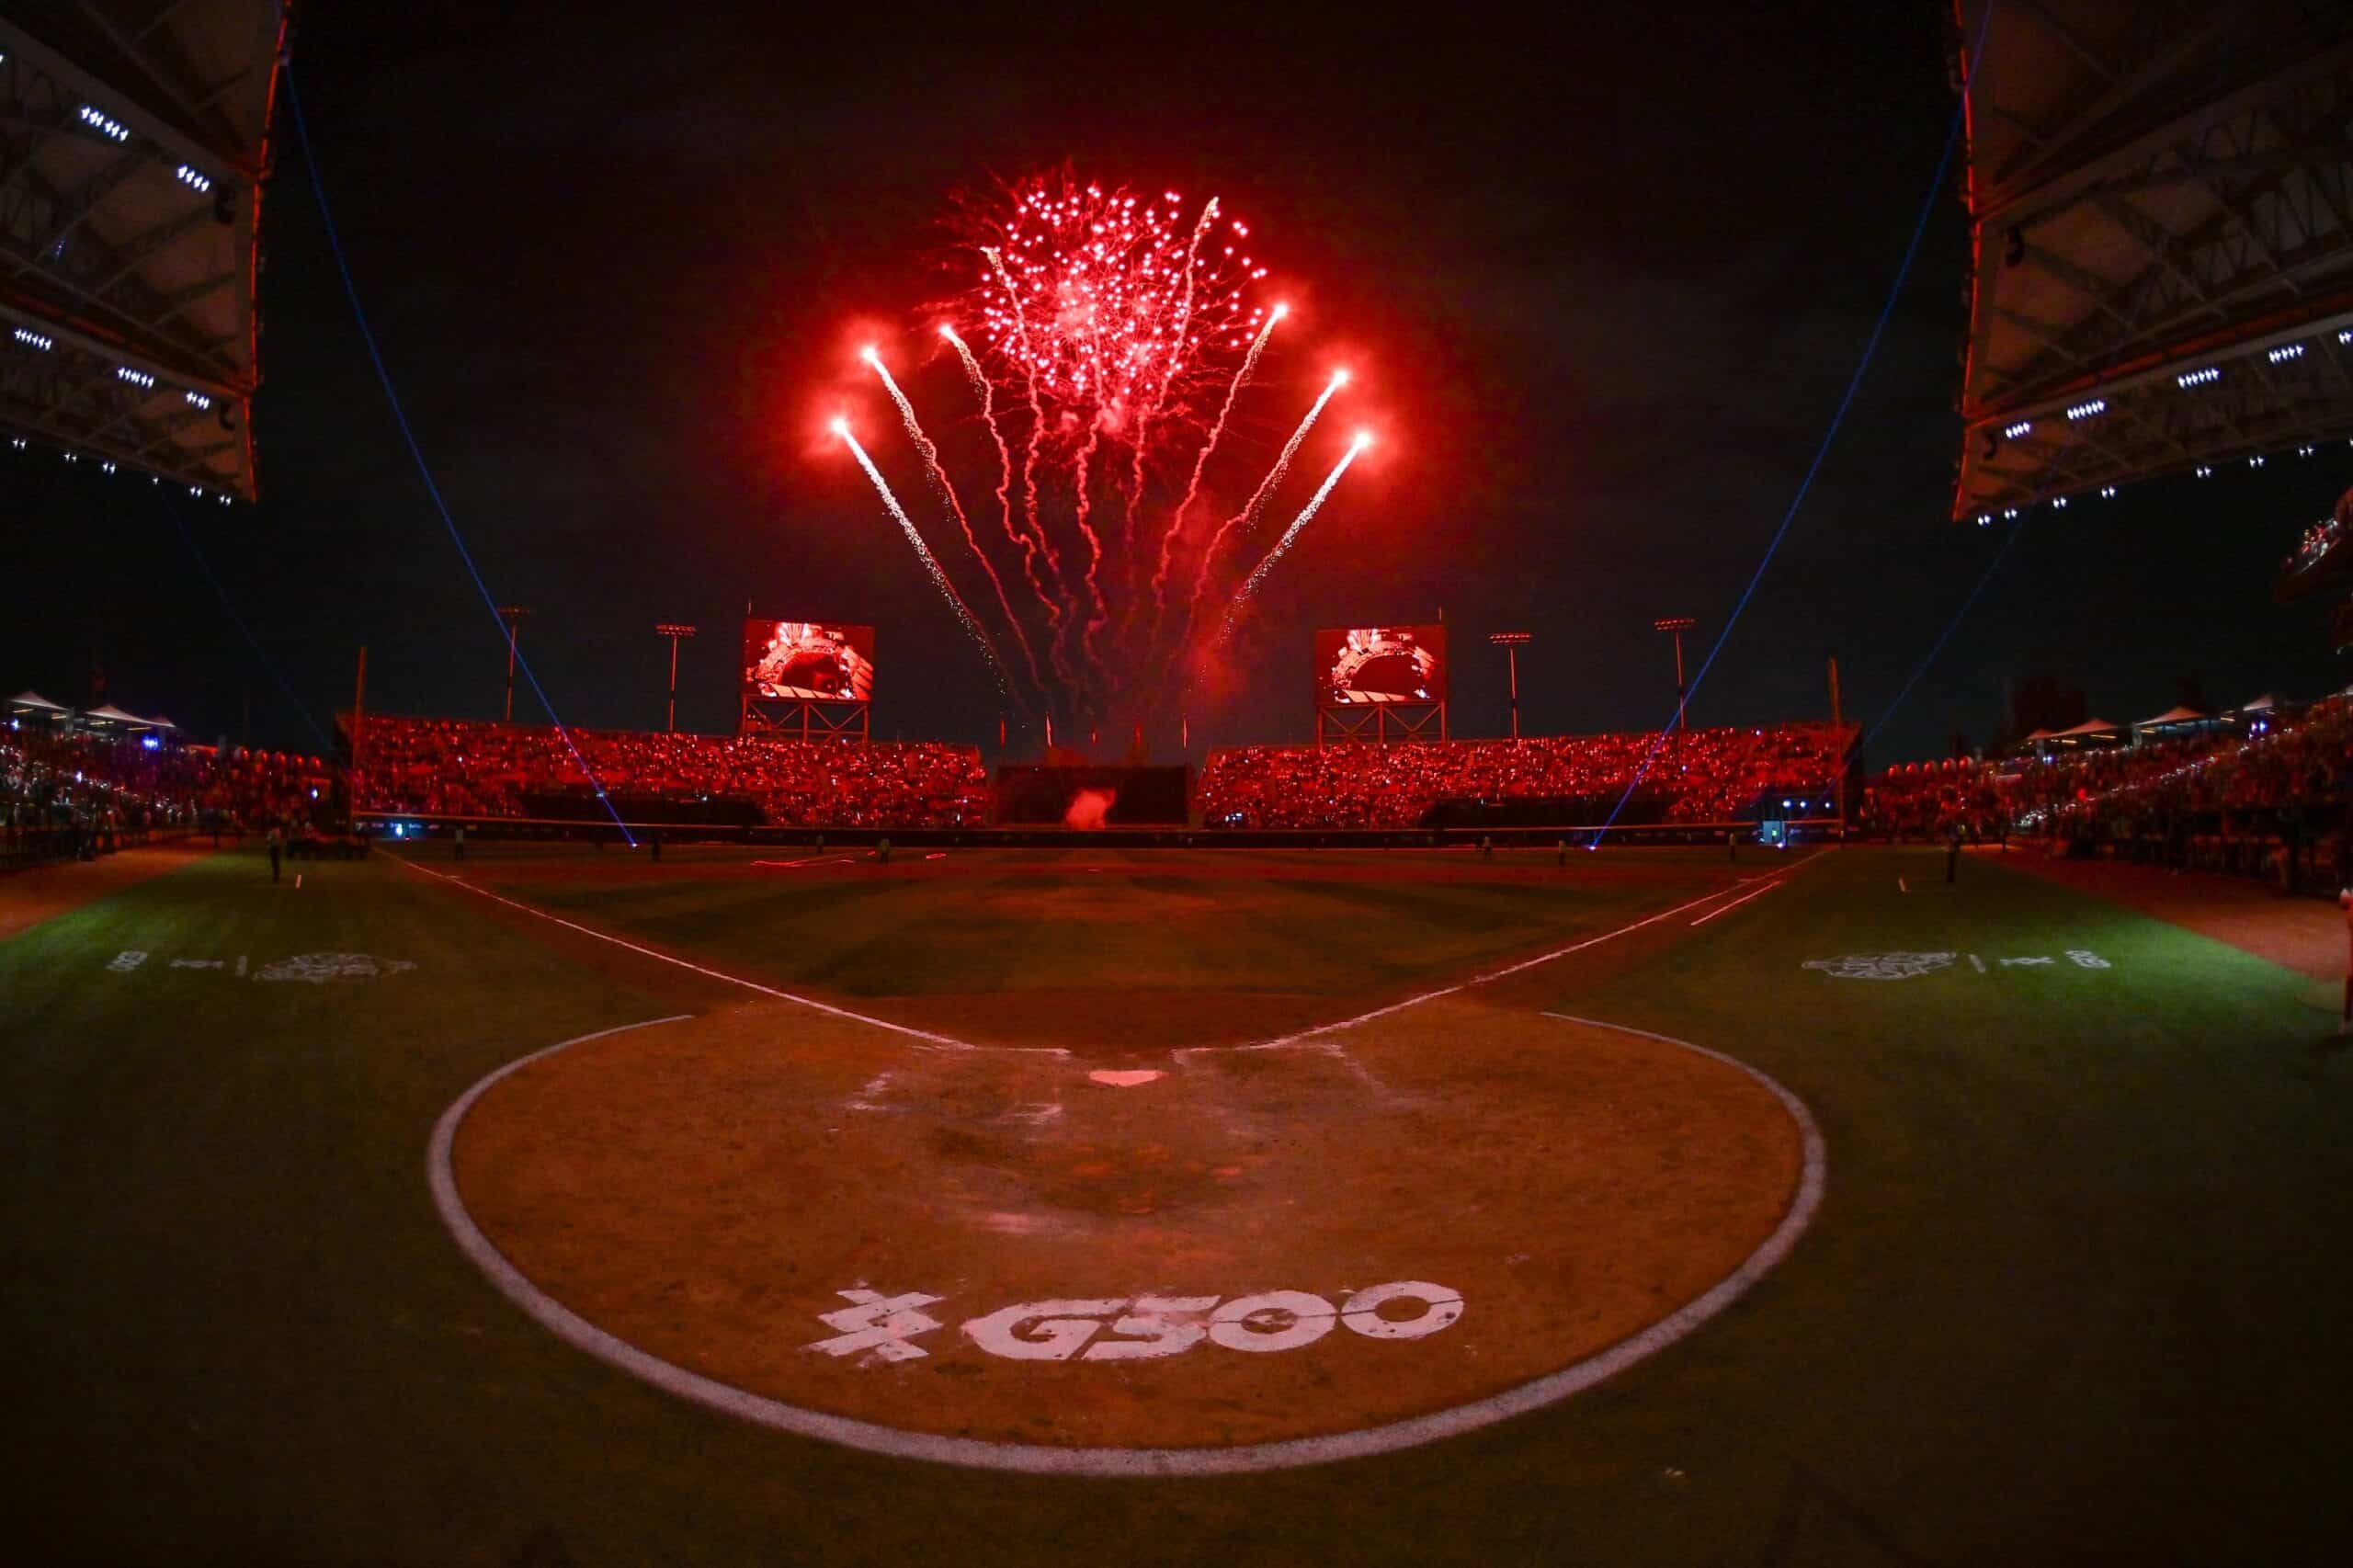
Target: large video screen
[
  {"x": 808, "y": 661},
  {"x": 1380, "y": 664}
]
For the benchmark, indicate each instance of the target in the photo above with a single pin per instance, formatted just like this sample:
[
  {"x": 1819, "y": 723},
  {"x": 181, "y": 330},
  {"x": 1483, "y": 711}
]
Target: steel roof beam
[
  {"x": 2120, "y": 93},
  {"x": 176, "y": 473},
  {"x": 160, "y": 17},
  {"x": 2093, "y": 287},
  {"x": 115, "y": 354},
  {"x": 134, "y": 251},
  {"x": 33, "y": 53},
  {"x": 124, "y": 263},
  {"x": 2015, "y": 121},
  {"x": 2063, "y": 188},
  {"x": 2051, "y": 25},
  {"x": 131, "y": 52},
  {"x": 2323, "y": 327},
  {"x": 172, "y": 304},
  {"x": 2041, "y": 332},
  {"x": 70, "y": 211}
]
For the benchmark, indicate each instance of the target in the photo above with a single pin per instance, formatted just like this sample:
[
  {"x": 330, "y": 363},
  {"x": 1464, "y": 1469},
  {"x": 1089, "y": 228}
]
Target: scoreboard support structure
[
  {"x": 806, "y": 720},
  {"x": 1379, "y": 723},
  {"x": 1380, "y": 683},
  {"x": 807, "y": 680}
]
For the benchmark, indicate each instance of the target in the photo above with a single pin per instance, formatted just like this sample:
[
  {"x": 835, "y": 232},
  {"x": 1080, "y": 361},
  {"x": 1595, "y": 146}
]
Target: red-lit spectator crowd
[
  {"x": 1693, "y": 776},
  {"x": 102, "y": 784},
  {"x": 461, "y": 767},
  {"x": 2225, "y": 778}
]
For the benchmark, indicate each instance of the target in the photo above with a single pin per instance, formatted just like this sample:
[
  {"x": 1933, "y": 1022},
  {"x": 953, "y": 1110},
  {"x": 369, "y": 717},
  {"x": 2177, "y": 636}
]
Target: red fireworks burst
[
  {"x": 1112, "y": 302},
  {"x": 1112, "y": 336}
]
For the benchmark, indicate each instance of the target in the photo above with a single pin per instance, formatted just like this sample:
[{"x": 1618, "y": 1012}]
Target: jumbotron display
[
  {"x": 1361, "y": 666},
  {"x": 808, "y": 661}
]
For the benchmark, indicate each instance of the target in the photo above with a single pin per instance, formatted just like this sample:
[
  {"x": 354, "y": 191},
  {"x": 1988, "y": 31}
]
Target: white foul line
[
  {"x": 949, "y": 1042},
  {"x": 1281, "y": 1042},
  {"x": 1038, "y": 1459},
  {"x": 945, "y": 1042},
  {"x": 1735, "y": 904}
]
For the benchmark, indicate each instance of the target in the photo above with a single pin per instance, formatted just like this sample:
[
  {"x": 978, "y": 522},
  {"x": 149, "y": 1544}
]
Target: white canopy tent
[
  {"x": 2090, "y": 732},
  {"x": 2178, "y": 719}
]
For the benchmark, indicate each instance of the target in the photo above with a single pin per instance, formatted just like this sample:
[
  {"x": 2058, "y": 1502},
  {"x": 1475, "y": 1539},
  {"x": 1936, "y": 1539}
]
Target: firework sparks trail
[
  {"x": 1102, "y": 615},
  {"x": 923, "y": 552},
  {"x": 947, "y": 491},
  {"x": 1152, "y": 406},
  {"x": 1200, "y": 462},
  {"x": 1306, "y": 515},
  {"x": 1028, "y": 543},
  {"x": 1245, "y": 519},
  {"x": 1128, "y": 326},
  {"x": 1037, "y": 413}
]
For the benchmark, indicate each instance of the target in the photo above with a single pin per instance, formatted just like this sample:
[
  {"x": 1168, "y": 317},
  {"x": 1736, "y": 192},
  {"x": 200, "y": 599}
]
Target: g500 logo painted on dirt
[{"x": 1138, "y": 1328}]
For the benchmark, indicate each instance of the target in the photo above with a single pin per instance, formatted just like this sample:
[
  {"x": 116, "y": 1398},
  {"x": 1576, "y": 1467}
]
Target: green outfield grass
[
  {"x": 2076, "y": 1292},
  {"x": 1322, "y": 923}
]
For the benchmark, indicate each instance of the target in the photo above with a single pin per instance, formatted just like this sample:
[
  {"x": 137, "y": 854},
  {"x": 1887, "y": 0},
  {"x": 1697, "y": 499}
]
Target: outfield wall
[{"x": 438, "y": 829}]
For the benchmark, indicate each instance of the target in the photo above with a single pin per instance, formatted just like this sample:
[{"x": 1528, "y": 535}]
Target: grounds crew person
[
  {"x": 277, "y": 846},
  {"x": 2345, "y": 898}
]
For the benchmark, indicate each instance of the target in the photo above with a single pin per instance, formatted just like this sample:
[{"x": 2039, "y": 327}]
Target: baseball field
[{"x": 568, "y": 1207}]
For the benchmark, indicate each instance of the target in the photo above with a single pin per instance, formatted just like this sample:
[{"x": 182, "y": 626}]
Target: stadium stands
[
  {"x": 2270, "y": 800},
  {"x": 1698, "y": 776},
  {"x": 64, "y": 794},
  {"x": 461, "y": 767}
]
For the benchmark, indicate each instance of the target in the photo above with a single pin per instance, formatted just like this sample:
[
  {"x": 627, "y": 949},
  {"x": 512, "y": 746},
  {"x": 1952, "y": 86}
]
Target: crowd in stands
[
  {"x": 2313, "y": 543},
  {"x": 90, "y": 788},
  {"x": 1928, "y": 800},
  {"x": 462, "y": 767},
  {"x": 2281, "y": 781},
  {"x": 1694, "y": 775}
]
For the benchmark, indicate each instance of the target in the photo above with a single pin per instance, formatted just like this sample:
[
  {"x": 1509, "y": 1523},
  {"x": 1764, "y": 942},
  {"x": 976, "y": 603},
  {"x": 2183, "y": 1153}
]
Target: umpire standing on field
[{"x": 276, "y": 847}]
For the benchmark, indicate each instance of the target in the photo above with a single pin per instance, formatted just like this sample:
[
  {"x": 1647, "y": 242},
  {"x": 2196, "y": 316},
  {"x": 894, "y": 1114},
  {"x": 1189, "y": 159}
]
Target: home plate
[{"x": 1262, "y": 1265}]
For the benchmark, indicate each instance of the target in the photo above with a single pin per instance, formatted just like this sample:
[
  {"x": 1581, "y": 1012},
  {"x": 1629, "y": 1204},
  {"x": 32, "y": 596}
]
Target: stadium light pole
[
  {"x": 1510, "y": 642},
  {"x": 1675, "y": 626},
  {"x": 512, "y": 616},
  {"x": 673, "y": 630}
]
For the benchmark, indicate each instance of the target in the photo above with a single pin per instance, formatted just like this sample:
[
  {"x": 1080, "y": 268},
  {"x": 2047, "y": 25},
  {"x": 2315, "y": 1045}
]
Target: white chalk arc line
[{"x": 1042, "y": 1460}]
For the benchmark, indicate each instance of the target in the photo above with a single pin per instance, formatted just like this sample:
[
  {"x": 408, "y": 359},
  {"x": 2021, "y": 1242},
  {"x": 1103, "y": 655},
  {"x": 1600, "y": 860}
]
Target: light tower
[
  {"x": 673, "y": 631},
  {"x": 1510, "y": 642},
  {"x": 511, "y": 616},
  {"x": 1675, "y": 626}
]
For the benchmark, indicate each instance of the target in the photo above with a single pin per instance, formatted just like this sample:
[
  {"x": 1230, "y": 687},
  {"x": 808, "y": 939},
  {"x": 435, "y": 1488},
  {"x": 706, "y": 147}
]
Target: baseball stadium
[{"x": 1071, "y": 1119}]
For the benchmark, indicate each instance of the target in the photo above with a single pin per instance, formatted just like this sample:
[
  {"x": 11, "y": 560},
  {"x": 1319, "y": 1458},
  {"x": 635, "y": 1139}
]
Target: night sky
[{"x": 1602, "y": 281}]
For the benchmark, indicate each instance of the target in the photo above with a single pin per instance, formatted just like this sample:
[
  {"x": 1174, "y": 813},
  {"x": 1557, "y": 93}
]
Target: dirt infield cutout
[{"x": 1429, "y": 1222}]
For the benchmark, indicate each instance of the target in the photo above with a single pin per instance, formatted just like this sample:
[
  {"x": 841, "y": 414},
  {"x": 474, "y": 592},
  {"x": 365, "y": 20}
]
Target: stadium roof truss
[
  {"x": 133, "y": 147},
  {"x": 2160, "y": 196}
]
